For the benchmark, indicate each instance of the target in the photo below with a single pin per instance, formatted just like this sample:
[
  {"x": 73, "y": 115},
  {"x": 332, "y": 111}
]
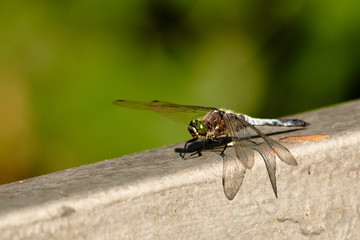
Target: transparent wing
[
  {"x": 176, "y": 112},
  {"x": 239, "y": 134},
  {"x": 239, "y": 131},
  {"x": 282, "y": 152},
  {"x": 270, "y": 162},
  {"x": 233, "y": 175}
]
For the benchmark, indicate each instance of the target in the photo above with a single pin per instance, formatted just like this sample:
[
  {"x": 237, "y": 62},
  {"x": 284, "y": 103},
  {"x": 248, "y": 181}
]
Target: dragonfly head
[{"x": 197, "y": 128}]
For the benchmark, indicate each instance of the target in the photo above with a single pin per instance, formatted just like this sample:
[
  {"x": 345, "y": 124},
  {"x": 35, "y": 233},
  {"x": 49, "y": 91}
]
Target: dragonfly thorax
[{"x": 197, "y": 128}]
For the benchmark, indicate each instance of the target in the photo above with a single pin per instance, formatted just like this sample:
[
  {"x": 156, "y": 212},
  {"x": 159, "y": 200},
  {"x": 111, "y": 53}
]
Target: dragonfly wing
[
  {"x": 176, "y": 112},
  {"x": 283, "y": 153},
  {"x": 270, "y": 163},
  {"x": 233, "y": 175},
  {"x": 239, "y": 134},
  {"x": 241, "y": 129}
]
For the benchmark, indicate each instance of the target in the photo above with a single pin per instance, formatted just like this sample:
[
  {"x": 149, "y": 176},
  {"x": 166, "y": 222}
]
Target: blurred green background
[{"x": 62, "y": 63}]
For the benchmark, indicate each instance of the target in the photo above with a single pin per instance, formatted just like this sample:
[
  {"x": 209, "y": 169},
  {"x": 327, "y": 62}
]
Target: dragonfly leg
[
  {"x": 190, "y": 141},
  {"x": 197, "y": 152},
  {"x": 222, "y": 152},
  {"x": 252, "y": 141}
]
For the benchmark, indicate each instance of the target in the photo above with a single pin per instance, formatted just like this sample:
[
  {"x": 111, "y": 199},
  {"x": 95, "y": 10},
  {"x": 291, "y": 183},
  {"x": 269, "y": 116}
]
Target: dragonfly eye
[{"x": 197, "y": 128}]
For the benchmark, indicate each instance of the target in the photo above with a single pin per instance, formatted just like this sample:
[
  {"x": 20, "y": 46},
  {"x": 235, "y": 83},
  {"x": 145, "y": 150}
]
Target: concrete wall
[{"x": 157, "y": 195}]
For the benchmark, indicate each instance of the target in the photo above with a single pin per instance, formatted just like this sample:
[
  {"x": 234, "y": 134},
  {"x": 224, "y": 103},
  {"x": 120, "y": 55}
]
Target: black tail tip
[{"x": 300, "y": 123}]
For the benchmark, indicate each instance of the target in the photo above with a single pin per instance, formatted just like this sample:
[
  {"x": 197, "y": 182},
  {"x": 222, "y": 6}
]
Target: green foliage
[{"x": 64, "y": 62}]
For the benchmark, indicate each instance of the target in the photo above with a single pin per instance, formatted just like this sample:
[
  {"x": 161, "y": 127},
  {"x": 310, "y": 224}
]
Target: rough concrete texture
[{"x": 157, "y": 195}]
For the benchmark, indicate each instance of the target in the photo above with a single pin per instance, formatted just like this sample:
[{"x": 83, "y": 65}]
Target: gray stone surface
[{"x": 157, "y": 195}]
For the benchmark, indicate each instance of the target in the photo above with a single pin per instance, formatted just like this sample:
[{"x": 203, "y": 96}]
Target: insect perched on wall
[{"x": 215, "y": 125}]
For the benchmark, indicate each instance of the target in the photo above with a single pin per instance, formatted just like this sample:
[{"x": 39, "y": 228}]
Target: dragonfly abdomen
[{"x": 274, "y": 122}]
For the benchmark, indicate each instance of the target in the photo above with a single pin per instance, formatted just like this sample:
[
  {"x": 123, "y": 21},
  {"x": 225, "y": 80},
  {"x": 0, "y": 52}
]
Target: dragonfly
[{"x": 215, "y": 125}]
